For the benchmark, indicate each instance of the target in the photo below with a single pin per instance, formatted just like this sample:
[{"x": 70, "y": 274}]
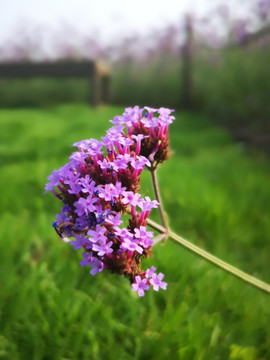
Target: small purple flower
[
  {"x": 125, "y": 141},
  {"x": 138, "y": 164},
  {"x": 79, "y": 242},
  {"x": 130, "y": 198},
  {"x": 121, "y": 161},
  {"x": 132, "y": 115},
  {"x": 98, "y": 234},
  {"x": 105, "y": 164},
  {"x": 53, "y": 180},
  {"x": 84, "y": 206},
  {"x": 103, "y": 248},
  {"x": 150, "y": 272},
  {"x": 143, "y": 160},
  {"x": 108, "y": 192},
  {"x": 71, "y": 177},
  {"x": 115, "y": 132},
  {"x": 75, "y": 188},
  {"x": 138, "y": 139},
  {"x": 88, "y": 185},
  {"x": 114, "y": 220},
  {"x": 65, "y": 171},
  {"x": 144, "y": 236},
  {"x": 117, "y": 120},
  {"x": 83, "y": 144},
  {"x": 123, "y": 233},
  {"x": 164, "y": 116},
  {"x": 157, "y": 282},
  {"x": 150, "y": 110},
  {"x": 97, "y": 266},
  {"x": 140, "y": 285},
  {"x": 147, "y": 204},
  {"x": 89, "y": 259},
  {"x": 96, "y": 145},
  {"x": 150, "y": 123},
  {"x": 86, "y": 259},
  {"x": 119, "y": 189},
  {"x": 78, "y": 156},
  {"x": 131, "y": 245}
]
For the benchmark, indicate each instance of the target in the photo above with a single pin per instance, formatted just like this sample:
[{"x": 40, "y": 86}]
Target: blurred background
[
  {"x": 192, "y": 54},
  {"x": 66, "y": 68}
]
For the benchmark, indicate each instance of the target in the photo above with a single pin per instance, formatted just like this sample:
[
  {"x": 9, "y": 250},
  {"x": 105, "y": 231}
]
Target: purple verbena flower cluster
[{"x": 100, "y": 185}]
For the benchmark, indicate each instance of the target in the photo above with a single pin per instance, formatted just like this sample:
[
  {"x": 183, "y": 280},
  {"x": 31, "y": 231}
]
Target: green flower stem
[
  {"x": 158, "y": 197},
  {"x": 211, "y": 258}
]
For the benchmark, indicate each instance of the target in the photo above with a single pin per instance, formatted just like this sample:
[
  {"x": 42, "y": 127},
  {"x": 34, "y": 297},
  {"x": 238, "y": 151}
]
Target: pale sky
[{"x": 111, "y": 18}]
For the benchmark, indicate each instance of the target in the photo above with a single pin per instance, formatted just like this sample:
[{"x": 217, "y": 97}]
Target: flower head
[{"x": 100, "y": 193}]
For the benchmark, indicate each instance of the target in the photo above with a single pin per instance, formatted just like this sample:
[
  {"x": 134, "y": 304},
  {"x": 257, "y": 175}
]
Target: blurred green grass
[
  {"x": 216, "y": 194},
  {"x": 232, "y": 86},
  {"x": 36, "y": 92}
]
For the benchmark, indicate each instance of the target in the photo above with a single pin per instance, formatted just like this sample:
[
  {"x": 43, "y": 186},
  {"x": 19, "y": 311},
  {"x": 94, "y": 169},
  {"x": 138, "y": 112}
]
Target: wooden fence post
[
  {"x": 100, "y": 93},
  {"x": 105, "y": 89},
  {"x": 94, "y": 86},
  {"x": 187, "y": 82}
]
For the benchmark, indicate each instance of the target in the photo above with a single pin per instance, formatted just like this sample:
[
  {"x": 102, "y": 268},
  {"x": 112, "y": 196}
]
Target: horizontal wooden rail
[
  {"x": 97, "y": 73},
  {"x": 47, "y": 69}
]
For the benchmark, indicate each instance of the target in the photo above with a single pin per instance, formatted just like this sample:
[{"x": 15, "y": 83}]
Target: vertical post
[
  {"x": 94, "y": 85},
  {"x": 187, "y": 93},
  {"x": 105, "y": 88}
]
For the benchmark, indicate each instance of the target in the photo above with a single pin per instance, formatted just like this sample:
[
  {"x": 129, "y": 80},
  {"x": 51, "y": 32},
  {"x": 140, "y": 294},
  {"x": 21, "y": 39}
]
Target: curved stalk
[
  {"x": 158, "y": 197},
  {"x": 211, "y": 258}
]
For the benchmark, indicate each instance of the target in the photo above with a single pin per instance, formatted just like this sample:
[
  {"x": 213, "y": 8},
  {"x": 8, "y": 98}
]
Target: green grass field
[{"x": 216, "y": 194}]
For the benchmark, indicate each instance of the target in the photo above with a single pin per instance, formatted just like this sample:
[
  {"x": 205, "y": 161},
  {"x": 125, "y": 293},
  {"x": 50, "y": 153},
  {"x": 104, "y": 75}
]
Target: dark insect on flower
[{"x": 100, "y": 218}]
